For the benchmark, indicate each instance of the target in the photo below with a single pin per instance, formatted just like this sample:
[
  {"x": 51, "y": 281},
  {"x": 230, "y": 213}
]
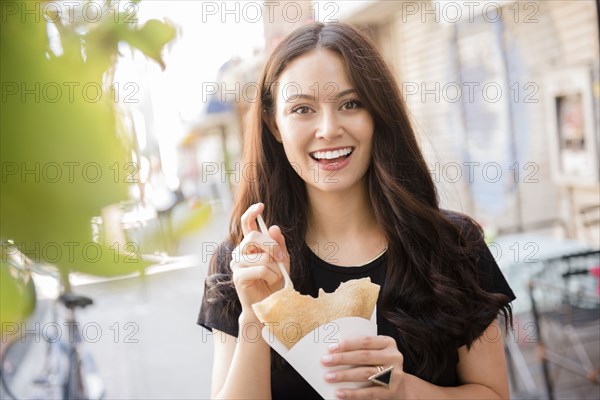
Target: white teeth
[{"x": 329, "y": 155}]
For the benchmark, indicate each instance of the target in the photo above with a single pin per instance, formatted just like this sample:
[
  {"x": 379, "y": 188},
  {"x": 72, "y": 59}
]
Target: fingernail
[
  {"x": 340, "y": 394},
  {"x": 255, "y": 207},
  {"x": 280, "y": 255},
  {"x": 333, "y": 347},
  {"x": 327, "y": 358},
  {"x": 330, "y": 375}
]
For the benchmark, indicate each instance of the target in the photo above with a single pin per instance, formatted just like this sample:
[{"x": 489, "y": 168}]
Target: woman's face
[{"x": 325, "y": 130}]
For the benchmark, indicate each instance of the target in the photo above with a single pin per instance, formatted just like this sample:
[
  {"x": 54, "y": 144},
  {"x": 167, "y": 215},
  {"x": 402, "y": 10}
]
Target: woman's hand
[
  {"x": 365, "y": 354},
  {"x": 254, "y": 261}
]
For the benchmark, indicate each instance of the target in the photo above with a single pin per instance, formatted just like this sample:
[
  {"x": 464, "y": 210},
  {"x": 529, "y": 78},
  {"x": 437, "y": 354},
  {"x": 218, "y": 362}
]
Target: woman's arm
[
  {"x": 481, "y": 370},
  {"x": 242, "y": 365},
  {"x": 241, "y": 369}
]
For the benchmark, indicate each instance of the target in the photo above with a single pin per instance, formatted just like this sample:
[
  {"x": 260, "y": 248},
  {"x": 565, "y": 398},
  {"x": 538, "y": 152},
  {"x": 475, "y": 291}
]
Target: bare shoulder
[{"x": 484, "y": 362}]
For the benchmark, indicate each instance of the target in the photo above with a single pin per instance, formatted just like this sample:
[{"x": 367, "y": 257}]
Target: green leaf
[
  {"x": 192, "y": 220},
  {"x": 17, "y": 297},
  {"x": 106, "y": 260},
  {"x": 62, "y": 162},
  {"x": 58, "y": 145},
  {"x": 151, "y": 38}
]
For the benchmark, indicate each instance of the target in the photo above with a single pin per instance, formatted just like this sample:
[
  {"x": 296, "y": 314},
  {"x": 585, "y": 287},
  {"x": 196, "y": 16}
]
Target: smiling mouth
[{"x": 330, "y": 157}]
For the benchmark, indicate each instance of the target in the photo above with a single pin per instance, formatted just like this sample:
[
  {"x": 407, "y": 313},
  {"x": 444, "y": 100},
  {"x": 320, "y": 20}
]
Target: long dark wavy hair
[{"x": 431, "y": 292}]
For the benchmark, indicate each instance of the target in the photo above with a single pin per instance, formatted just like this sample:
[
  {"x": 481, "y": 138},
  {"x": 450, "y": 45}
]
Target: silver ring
[{"x": 383, "y": 377}]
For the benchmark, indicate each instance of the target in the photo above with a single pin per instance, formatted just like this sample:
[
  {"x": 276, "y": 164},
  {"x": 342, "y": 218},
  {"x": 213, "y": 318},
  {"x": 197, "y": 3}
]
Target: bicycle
[{"x": 43, "y": 364}]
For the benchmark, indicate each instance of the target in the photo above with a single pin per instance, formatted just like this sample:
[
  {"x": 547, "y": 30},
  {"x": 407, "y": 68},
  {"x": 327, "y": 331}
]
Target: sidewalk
[{"x": 150, "y": 346}]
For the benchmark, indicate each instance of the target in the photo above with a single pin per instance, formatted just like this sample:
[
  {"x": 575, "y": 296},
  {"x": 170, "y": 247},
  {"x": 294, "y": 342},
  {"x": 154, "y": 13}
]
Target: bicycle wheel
[
  {"x": 34, "y": 367},
  {"x": 75, "y": 385},
  {"x": 83, "y": 382}
]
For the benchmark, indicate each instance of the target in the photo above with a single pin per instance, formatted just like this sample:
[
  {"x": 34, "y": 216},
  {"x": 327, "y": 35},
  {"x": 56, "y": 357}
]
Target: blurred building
[
  {"x": 282, "y": 17},
  {"x": 210, "y": 154},
  {"x": 505, "y": 98},
  {"x": 209, "y": 146}
]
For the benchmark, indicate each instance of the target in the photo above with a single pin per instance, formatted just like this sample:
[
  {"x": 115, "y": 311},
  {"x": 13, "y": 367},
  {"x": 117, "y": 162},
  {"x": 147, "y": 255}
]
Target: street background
[
  {"x": 162, "y": 353},
  {"x": 505, "y": 99}
]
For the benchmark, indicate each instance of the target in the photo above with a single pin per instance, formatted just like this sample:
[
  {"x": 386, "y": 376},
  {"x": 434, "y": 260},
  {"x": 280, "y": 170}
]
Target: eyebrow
[{"x": 294, "y": 97}]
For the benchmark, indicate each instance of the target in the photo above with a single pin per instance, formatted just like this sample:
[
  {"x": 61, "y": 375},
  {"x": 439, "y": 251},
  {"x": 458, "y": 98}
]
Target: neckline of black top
[{"x": 345, "y": 269}]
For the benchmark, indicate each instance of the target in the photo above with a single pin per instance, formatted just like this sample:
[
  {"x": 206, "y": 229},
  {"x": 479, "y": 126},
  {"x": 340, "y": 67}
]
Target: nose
[{"x": 329, "y": 127}]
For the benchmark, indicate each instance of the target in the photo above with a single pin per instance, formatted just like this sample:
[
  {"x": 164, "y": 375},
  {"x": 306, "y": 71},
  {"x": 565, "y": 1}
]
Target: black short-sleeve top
[{"x": 286, "y": 383}]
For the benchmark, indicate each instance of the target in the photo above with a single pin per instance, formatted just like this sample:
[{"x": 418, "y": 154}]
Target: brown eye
[
  {"x": 351, "y": 105},
  {"x": 301, "y": 110}
]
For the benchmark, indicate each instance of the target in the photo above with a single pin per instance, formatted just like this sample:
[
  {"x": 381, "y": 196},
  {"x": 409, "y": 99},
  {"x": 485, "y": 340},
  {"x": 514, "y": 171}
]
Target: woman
[{"x": 336, "y": 171}]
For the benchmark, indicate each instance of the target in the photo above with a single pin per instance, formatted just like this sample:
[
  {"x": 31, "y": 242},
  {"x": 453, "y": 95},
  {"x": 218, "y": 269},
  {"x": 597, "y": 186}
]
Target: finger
[
  {"x": 358, "y": 374},
  {"x": 240, "y": 259},
  {"x": 371, "y": 392},
  {"x": 251, "y": 260},
  {"x": 359, "y": 357},
  {"x": 363, "y": 343},
  {"x": 244, "y": 277},
  {"x": 257, "y": 242},
  {"x": 245, "y": 247},
  {"x": 280, "y": 250},
  {"x": 248, "y": 219}
]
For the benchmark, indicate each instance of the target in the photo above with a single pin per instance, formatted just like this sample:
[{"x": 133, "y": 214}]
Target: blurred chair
[
  {"x": 521, "y": 379},
  {"x": 565, "y": 302}
]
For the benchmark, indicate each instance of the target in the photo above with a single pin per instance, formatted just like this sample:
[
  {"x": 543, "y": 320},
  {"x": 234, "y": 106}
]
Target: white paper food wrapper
[{"x": 305, "y": 355}]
